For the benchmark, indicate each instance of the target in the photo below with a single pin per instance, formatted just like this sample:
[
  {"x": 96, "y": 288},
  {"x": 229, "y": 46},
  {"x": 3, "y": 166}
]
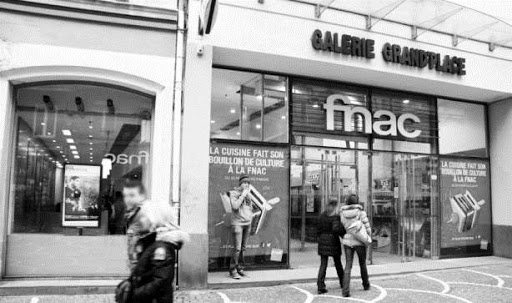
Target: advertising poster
[
  {"x": 268, "y": 170},
  {"x": 81, "y": 195},
  {"x": 466, "y": 205}
]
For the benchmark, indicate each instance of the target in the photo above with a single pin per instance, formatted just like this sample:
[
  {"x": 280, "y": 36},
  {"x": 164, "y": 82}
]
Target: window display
[{"x": 76, "y": 144}]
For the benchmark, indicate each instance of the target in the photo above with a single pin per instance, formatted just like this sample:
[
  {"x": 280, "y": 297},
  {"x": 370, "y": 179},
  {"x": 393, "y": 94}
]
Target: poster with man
[
  {"x": 466, "y": 205},
  {"x": 81, "y": 195},
  {"x": 265, "y": 173}
]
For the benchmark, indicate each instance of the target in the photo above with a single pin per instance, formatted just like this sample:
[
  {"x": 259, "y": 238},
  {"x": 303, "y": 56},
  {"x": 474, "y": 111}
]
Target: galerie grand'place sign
[
  {"x": 361, "y": 47},
  {"x": 386, "y": 123}
]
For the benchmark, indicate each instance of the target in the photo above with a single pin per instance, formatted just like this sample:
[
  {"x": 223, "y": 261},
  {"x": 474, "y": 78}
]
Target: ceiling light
[
  {"x": 258, "y": 126},
  {"x": 57, "y": 147},
  {"x": 238, "y": 133},
  {"x": 52, "y": 140},
  {"x": 74, "y": 152},
  {"x": 213, "y": 121},
  {"x": 66, "y": 132},
  {"x": 90, "y": 148},
  {"x": 90, "y": 136},
  {"x": 77, "y": 157},
  {"x": 90, "y": 143},
  {"x": 283, "y": 117},
  {"x": 91, "y": 161},
  {"x": 90, "y": 124},
  {"x": 406, "y": 101},
  {"x": 316, "y": 105},
  {"x": 61, "y": 152},
  {"x": 42, "y": 123},
  {"x": 72, "y": 146},
  {"x": 49, "y": 133},
  {"x": 90, "y": 154},
  {"x": 232, "y": 111},
  {"x": 70, "y": 140}
]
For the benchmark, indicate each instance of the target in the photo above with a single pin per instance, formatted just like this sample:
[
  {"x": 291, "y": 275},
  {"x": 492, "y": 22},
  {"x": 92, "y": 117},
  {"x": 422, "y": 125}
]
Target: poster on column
[
  {"x": 466, "y": 205},
  {"x": 268, "y": 171},
  {"x": 81, "y": 194}
]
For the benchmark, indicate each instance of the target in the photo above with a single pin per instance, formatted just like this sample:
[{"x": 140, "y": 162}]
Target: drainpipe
[{"x": 178, "y": 103}]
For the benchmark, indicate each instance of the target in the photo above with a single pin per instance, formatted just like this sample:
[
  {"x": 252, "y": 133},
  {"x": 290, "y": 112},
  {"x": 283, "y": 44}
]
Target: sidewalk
[{"x": 220, "y": 280}]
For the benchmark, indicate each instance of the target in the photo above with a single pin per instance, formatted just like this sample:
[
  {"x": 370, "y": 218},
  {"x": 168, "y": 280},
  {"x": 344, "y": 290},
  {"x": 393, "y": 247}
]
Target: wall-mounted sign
[
  {"x": 388, "y": 124},
  {"x": 393, "y": 53}
]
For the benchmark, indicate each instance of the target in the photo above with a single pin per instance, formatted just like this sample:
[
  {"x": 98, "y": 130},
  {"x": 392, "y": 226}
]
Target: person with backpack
[
  {"x": 357, "y": 238},
  {"x": 329, "y": 230}
]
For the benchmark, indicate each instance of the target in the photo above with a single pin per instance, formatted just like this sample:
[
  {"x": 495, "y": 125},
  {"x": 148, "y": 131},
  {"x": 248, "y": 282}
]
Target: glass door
[
  {"x": 404, "y": 196},
  {"x": 319, "y": 175}
]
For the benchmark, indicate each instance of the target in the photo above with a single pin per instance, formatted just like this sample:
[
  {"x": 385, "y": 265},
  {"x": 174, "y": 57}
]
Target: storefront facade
[
  {"x": 314, "y": 109},
  {"x": 86, "y": 93}
]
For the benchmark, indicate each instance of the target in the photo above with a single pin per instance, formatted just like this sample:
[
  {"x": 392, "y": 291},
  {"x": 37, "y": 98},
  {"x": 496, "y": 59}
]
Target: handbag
[
  {"x": 123, "y": 291},
  {"x": 358, "y": 230}
]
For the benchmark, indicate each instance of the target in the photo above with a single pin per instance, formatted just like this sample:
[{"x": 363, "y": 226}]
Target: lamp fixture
[
  {"x": 110, "y": 106},
  {"x": 70, "y": 140},
  {"x": 48, "y": 102},
  {"x": 79, "y": 104},
  {"x": 72, "y": 147},
  {"x": 406, "y": 101},
  {"x": 90, "y": 124},
  {"x": 66, "y": 132}
]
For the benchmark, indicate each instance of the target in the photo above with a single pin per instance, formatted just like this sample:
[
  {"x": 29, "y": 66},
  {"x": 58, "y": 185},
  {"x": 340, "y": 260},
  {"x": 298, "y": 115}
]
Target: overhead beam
[
  {"x": 322, "y": 6},
  {"x": 424, "y": 27},
  {"x": 373, "y": 19}
]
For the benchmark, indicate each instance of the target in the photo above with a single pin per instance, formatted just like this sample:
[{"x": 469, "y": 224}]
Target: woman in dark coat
[{"x": 329, "y": 231}]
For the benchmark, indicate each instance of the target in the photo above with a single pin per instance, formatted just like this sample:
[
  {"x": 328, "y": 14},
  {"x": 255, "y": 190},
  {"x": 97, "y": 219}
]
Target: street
[{"x": 476, "y": 284}]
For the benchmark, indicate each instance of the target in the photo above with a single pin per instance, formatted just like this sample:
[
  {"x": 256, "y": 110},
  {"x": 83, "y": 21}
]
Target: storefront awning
[{"x": 440, "y": 16}]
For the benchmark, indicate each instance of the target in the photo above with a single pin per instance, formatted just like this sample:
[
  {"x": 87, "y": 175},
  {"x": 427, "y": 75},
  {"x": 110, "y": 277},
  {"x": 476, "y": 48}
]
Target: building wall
[
  {"x": 54, "y": 45},
  {"x": 500, "y": 127}
]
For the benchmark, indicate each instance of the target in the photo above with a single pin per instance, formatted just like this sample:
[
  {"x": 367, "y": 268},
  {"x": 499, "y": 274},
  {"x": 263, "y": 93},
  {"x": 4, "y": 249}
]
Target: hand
[{"x": 246, "y": 192}]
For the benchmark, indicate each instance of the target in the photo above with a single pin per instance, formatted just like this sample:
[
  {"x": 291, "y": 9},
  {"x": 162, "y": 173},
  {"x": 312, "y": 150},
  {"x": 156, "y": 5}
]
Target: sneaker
[
  {"x": 235, "y": 275},
  {"x": 345, "y": 295},
  {"x": 367, "y": 287},
  {"x": 242, "y": 273},
  {"x": 322, "y": 291}
]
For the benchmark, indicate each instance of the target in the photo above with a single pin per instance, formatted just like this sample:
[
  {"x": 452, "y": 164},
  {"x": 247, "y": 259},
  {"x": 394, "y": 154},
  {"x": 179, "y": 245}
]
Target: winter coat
[
  {"x": 329, "y": 231},
  {"x": 152, "y": 277},
  {"x": 348, "y": 215}
]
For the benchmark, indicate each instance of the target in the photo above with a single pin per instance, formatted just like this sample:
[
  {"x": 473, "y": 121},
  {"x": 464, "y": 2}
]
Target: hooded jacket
[
  {"x": 348, "y": 215},
  {"x": 152, "y": 277}
]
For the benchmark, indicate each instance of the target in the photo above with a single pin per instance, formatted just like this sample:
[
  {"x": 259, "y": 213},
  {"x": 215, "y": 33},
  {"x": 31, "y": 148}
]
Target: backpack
[{"x": 358, "y": 231}]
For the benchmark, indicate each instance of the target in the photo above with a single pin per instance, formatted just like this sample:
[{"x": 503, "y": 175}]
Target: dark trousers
[
  {"x": 349, "y": 255},
  {"x": 323, "y": 269},
  {"x": 240, "y": 236}
]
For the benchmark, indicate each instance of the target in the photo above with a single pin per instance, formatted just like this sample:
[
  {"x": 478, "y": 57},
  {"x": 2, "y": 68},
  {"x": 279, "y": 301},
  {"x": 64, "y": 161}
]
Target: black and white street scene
[{"x": 250, "y": 151}]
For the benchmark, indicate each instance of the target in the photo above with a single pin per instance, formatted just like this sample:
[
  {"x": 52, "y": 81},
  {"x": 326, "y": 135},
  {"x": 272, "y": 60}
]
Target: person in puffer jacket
[
  {"x": 329, "y": 230},
  {"x": 349, "y": 213},
  {"x": 151, "y": 280}
]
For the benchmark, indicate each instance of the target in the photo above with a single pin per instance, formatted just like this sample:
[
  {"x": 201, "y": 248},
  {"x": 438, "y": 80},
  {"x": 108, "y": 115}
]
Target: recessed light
[
  {"x": 90, "y": 154},
  {"x": 52, "y": 140},
  {"x": 316, "y": 105},
  {"x": 42, "y": 123},
  {"x": 66, "y": 132},
  {"x": 49, "y": 133},
  {"x": 238, "y": 133},
  {"x": 232, "y": 111},
  {"x": 74, "y": 152},
  {"x": 61, "y": 152},
  {"x": 258, "y": 126},
  {"x": 70, "y": 140},
  {"x": 77, "y": 157},
  {"x": 90, "y": 148},
  {"x": 406, "y": 101},
  {"x": 72, "y": 146},
  {"x": 90, "y": 136},
  {"x": 213, "y": 121},
  {"x": 283, "y": 117},
  {"x": 90, "y": 143},
  {"x": 57, "y": 147}
]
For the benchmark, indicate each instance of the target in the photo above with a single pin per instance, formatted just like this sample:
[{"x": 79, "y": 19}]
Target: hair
[
  {"x": 73, "y": 178},
  {"x": 333, "y": 203},
  {"x": 352, "y": 199},
  {"x": 135, "y": 184}
]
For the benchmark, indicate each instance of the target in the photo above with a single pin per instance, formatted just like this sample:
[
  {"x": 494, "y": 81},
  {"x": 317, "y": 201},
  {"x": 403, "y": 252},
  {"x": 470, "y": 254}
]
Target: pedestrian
[
  {"x": 152, "y": 274},
  {"x": 351, "y": 213},
  {"x": 241, "y": 219},
  {"x": 329, "y": 230}
]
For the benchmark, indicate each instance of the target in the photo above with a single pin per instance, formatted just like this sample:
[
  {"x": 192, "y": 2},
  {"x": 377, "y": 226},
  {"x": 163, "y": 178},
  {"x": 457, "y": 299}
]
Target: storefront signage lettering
[
  {"x": 344, "y": 44},
  {"x": 420, "y": 58},
  {"x": 388, "y": 124},
  {"x": 393, "y": 53},
  {"x": 137, "y": 159}
]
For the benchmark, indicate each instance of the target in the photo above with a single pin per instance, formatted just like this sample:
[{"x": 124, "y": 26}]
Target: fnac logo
[{"x": 386, "y": 123}]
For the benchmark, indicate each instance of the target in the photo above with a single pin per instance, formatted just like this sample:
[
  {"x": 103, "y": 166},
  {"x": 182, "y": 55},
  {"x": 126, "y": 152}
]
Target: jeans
[
  {"x": 323, "y": 268},
  {"x": 240, "y": 234},
  {"x": 349, "y": 255}
]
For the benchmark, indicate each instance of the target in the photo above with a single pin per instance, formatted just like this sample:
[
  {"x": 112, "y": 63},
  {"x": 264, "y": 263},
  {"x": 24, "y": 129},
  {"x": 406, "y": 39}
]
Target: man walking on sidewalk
[{"x": 241, "y": 220}]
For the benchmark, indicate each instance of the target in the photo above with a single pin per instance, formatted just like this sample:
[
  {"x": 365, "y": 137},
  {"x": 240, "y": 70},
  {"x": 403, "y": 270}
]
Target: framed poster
[
  {"x": 81, "y": 195},
  {"x": 466, "y": 205}
]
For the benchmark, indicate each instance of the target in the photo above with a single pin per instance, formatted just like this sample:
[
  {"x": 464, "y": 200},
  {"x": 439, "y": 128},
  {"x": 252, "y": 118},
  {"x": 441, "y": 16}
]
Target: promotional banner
[
  {"x": 81, "y": 194},
  {"x": 466, "y": 206},
  {"x": 268, "y": 172}
]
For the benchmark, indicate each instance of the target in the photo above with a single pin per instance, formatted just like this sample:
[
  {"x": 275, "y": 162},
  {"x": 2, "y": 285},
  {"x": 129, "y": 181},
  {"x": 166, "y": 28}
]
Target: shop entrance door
[
  {"x": 318, "y": 176},
  {"x": 403, "y": 194}
]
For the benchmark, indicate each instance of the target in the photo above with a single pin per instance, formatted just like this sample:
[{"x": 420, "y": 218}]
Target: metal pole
[{"x": 304, "y": 199}]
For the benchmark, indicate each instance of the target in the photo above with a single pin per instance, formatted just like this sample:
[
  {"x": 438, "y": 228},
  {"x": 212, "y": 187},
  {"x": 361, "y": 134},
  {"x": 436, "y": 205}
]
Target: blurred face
[
  {"x": 133, "y": 197},
  {"x": 245, "y": 185},
  {"x": 75, "y": 183}
]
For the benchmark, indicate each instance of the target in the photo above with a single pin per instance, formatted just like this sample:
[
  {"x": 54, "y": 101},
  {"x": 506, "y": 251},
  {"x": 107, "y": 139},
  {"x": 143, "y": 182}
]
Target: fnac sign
[{"x": 382, "y": 122}]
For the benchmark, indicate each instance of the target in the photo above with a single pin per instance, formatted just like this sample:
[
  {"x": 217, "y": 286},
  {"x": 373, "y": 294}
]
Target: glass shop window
[
  {"x": 462, "y": 129},
  {"x": 76, "y": 144},
  {"x": 249, "y": 106},
  {"x": 412, "y": 126}
]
